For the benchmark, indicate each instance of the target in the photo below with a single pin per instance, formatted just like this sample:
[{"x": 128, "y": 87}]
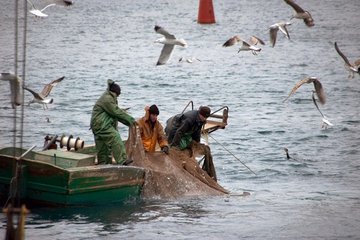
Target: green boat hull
[{"x": 55, "y": 177}]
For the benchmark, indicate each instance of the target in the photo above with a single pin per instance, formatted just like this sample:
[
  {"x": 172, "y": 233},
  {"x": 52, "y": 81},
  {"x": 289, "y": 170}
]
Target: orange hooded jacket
[{"x": 150, "y": 136}]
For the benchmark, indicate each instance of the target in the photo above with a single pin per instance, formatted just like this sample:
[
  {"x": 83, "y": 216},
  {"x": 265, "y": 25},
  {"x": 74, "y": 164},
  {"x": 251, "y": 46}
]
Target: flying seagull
[
  {"x": 299, "y": 13},
  {"x": 275, "y": 28},
  {"x": 15, "y": 88},
  {"x": 245, "y": 46},
  {"x": 41, "y": 97},
  {"x": 39, "y": 13},
  {"x": 169, "y": 42},
  {"x": 352, "y": 68},
  {"x": 326, "y": 122},
  {"x": 317, "y": 85}
]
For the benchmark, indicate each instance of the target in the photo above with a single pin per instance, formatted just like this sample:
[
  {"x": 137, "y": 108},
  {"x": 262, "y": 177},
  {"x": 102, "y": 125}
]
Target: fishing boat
[
  {"x": 68, "y": 175},
  {"x": 66, "y": 178}
]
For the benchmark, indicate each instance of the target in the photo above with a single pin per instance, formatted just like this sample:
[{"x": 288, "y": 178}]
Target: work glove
[{"x": 165, "y": 149}]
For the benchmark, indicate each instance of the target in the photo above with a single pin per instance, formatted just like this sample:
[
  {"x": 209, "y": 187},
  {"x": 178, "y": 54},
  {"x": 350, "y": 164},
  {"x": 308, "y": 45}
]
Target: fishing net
[{"x": 174, "y": 175}]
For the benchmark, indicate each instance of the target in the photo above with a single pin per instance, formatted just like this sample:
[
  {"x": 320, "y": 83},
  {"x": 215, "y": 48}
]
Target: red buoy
[{"x": 206, "y": 13}]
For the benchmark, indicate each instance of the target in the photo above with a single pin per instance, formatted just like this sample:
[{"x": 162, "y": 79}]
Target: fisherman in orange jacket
[{"x": 151, "y": 131}]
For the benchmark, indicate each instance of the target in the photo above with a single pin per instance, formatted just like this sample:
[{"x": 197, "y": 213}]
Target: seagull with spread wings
[
  {"x": 317, "y": 85},
  {"x": 169, "y": 41},
  {"x": 352, "y": 68},
  {"x": 42, "y": 96},
  {"x": 300, "y": 13},
  {"x": 40, "y": 12},
  {"x": 245, "y": 46},
  {"x": 15, "y": 88},
  {"x": 274, "y": 30}
]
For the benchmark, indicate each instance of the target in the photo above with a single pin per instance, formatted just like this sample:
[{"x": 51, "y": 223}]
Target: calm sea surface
[{"x": 315, "y": 197}]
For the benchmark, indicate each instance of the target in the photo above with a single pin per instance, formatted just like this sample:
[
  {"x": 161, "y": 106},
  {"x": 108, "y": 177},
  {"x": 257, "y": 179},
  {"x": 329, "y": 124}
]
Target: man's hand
[
  {"x": 165, "y": 149},
  {"x": 134, "y": 124}
]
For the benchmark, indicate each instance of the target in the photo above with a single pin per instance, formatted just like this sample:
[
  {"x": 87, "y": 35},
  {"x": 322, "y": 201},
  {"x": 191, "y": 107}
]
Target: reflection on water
[{"x": 110, "y": 219}]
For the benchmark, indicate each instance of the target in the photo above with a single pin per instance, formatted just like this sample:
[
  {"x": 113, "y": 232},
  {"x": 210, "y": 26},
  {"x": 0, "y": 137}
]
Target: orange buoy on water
[{"x": 206, "y": 13}]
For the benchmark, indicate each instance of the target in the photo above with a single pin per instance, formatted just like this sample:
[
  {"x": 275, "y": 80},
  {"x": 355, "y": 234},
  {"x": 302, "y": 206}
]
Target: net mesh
[{"x": 174, "y": 175}]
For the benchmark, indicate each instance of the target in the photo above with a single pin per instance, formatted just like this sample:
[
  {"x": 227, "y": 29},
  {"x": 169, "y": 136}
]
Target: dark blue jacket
[{"x": 184, "y": 124}]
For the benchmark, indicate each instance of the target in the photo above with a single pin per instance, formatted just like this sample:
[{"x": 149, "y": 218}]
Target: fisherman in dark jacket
[{"x": 182, "y": 129}]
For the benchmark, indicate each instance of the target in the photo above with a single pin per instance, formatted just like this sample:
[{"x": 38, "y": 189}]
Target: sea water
[{"x": 315, "y": 195}]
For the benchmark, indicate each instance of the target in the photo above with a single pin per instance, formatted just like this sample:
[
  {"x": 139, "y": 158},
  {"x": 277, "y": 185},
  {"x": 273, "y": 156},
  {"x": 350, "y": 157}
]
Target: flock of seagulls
[
  {"x": 169, "y": 42},
  {"x": 319, "y": 91},
  {"x": 273, "y": 30},
  {"x": 16, "y": 82},
  {"x": 252, "y": 45}
]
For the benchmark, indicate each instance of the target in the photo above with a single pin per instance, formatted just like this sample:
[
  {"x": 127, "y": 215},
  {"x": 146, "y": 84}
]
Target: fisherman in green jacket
[{"x": 104, "y": 123}]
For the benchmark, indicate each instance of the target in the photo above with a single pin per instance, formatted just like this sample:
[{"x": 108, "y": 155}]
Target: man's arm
[{"x": 114, "y": 111}]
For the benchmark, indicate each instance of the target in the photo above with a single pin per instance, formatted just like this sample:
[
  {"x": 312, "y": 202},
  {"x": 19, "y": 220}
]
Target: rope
[{"x": 232, "y": 154}]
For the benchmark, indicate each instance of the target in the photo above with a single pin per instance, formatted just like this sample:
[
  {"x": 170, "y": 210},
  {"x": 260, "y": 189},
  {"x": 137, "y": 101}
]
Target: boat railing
[
  {"x": 216, "y": 120},
  {"x": 187, "y": 105}
]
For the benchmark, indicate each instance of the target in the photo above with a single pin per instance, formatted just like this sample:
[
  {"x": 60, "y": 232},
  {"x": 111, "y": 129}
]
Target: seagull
[
  {"x": 352, "y": 68},
  {"x": 275, "y": 28},
  {"x": 15, "y": 88},
  {"x": 246, "y": 46},
  {"x": 39, "y": 13},
  {"x": 41, "y": 97},
  {"x": 317, "y": 85},
  {"x": 189, "y": 60},
  {"x": 300, "y": 13},
  {"x": 326, "y": 122},
  {"x": 169, "y": 42}
]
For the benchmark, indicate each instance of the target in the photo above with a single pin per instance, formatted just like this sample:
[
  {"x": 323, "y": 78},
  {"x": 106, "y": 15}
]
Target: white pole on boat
[
  {"x": 232, "y": 154},
  {"x": 25, "y": 153}
]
